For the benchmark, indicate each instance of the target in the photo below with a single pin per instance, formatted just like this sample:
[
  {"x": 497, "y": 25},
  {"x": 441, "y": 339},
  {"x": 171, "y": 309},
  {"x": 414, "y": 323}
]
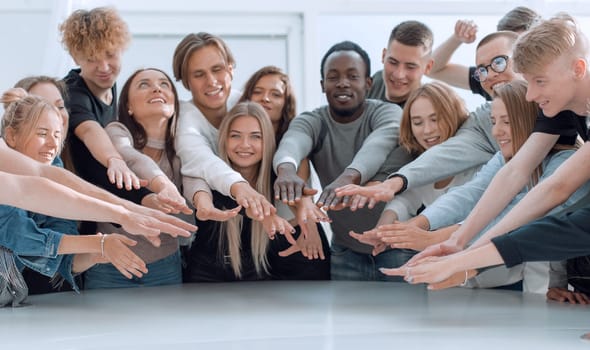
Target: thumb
[
  {"x": 126, "y": 240},
  {"x": 289, "y": 251},
  {"x": 309, "y": 191}
]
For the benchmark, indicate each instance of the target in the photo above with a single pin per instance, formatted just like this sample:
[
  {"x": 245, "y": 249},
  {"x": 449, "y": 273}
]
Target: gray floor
[{"x": 294, "y": 315}]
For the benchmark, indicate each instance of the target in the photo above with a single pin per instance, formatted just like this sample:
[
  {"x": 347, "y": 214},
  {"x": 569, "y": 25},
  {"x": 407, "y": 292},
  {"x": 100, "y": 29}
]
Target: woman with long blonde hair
[{"x": 240, "y": 248}]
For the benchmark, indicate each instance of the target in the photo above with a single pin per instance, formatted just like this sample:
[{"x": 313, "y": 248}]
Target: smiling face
[
  {"x": 346, "y": 85},
  {"x": 484, "y": 56},
  {"x": 244, "y": 143},
  {"x": 100, "y": 72},
  {"x": 269, "y": 92},
  {"x": 209, "y": 80},
  {"x": 150, "y": 96},
  {"x": 424, "y": 122},
  {"x": 501, "y": 128},
  {"x": 44, "y": 141},
  {"x": 50, "y": 92},
  {"x": 403, "y": 68},
  {"x": 554, "y": 87}
]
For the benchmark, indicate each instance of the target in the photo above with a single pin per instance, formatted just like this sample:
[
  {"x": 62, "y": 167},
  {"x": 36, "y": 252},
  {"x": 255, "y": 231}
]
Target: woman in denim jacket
[{"x": 34, "y": 127}]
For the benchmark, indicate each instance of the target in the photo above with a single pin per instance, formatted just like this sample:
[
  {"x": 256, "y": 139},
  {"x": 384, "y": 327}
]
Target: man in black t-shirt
[{"x": 92, "y": 94}]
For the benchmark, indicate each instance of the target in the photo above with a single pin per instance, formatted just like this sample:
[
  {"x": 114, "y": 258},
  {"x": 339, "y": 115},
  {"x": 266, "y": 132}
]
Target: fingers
[
  {"x": 289, "y": 251},
  {"x": 378, "y": 249},
  {"x": 400, "y": 271},
  {"x": 372, "y": 203},
  {"x": 357, "y": 236},
  {"x": 309, "y": 191},
  {"x": 453, "y": 281},
  {"x": 358, "y": 202}
]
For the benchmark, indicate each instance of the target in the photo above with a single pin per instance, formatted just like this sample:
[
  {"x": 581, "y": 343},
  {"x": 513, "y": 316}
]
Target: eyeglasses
[{"x": 498, "y": 65}]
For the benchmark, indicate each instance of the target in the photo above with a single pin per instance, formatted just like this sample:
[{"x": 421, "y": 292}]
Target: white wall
[{"x": 291, "y": 34}]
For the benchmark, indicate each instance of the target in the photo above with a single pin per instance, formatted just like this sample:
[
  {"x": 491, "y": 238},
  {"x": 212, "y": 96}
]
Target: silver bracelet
[
  {"x": 102, "y": 238},
  {"x": 466, "y": 278}
]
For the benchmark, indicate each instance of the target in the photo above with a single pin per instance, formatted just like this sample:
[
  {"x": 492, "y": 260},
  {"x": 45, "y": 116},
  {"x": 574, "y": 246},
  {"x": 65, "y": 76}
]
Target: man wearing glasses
[{"x": 474, "y": 144}]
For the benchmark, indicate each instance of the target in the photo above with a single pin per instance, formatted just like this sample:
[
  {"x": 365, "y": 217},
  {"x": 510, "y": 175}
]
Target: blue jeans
[
  {"x": 162, "y": 272},
  {"x": 350, "y": 265}
]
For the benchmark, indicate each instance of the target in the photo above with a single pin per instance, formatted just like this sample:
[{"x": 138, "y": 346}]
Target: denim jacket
[
  {"x": 35, "y": 238},
  {"x": 35, "y": 246}
]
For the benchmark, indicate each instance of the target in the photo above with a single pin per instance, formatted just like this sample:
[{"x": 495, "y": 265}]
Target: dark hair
[
  {"x": 511, "y": 36},
  {"x": 347, "y": 46},
  {"x": 191, "y": 43},
  {"x": 412, "y": 33},
  {"x": 519, "y": 19},
  {"x": 136, "y": 129},
  {"x": 288, "y": 112}
]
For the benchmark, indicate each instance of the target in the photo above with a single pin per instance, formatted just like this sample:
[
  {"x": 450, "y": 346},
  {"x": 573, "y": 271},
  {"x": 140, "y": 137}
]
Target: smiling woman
[{"x": 147, "y": 120}]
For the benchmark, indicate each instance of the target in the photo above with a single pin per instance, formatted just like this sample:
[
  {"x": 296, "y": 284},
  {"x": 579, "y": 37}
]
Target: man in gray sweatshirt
[{"x": 348, "y": 141}]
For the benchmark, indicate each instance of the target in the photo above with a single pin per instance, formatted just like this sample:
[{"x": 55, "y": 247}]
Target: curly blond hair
[{"x": 94, "y": 32}]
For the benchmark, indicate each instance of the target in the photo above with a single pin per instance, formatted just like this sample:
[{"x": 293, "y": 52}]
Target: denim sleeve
[
  {"x": 455, "y": 205},
  {"x": 20, "y": 233}
]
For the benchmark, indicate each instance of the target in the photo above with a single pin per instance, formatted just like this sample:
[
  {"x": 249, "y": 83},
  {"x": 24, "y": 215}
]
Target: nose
[
  {"x": 53, "y": 141},
  {"x": 266, "y": 97},
  {"x": 429, "y": 127},
  {"x": 157, "y": 88},
  {"x": 496, "y": 130},
  {"x": 211, "y": 79},
  {"x": 103, "y": 65},
  {"x": 344, "y": 82}
]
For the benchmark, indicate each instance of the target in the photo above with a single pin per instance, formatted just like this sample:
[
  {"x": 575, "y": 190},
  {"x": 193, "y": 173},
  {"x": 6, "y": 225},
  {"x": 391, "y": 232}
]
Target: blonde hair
[
  {"x": 449, "y": 108},
  {"x": 192, "y": 43},
  {"x": 231, "y": 230},
  {"x": 547, "y": 41},
  {"x": 94, "y": 32},
  {"x": 22, "y": 112}
]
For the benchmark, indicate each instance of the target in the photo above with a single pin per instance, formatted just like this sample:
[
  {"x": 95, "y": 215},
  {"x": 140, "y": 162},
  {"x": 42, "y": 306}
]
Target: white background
[{"x": 290, "y": 34}]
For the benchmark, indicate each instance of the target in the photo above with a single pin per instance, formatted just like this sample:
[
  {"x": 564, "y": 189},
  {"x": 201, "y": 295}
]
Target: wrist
[
  {"x": 236, "y": 189},
  {"x": 352, "y": 176},
  {"x": 112, "y": 158},
  {"x": 286, "y": 168},
  {"x": 398, "y": 183}
]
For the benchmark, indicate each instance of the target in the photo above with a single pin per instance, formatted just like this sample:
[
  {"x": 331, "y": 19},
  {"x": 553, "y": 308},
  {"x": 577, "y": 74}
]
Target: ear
[
  {"x": 322, "y": 85},
  {"x": 230, "y": 69},
  {"x": 369, "y": 83},
  {"x": 10, "y": 137},
  {"x": 580, "y": 67},
  {"x": 383, "y": 54},
  {"x": 429, "y": 66}
]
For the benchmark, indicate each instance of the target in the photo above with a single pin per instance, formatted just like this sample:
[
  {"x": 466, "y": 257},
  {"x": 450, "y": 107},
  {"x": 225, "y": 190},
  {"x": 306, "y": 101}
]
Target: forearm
[
  {"x": 420, "y": 221},
  {"x": 534, "y": 205},
  {"x": 80, "y": 244},
  {"x": 387, "y": 217},
  {"x": 82, "y": 262},
  {"x": 484, "y": 256},
  {"x": 74, "y": 182},
  {"x": 443, "y": 53},
  {"x": 508, "y": 182},
  {"x": 49, "y": 198}
]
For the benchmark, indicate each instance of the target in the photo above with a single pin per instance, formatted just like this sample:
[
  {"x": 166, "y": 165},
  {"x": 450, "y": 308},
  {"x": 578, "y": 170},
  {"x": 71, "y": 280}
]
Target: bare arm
[
  {"x": 100, "y": 146},
  {"x": 505, "y": 185},
  {"x": 553, "y": 191},
  {"x": 454, "y": 74}
]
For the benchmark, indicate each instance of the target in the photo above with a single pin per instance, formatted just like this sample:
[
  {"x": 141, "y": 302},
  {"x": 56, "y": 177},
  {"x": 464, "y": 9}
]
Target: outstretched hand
[{"x": 120, "y": 175}]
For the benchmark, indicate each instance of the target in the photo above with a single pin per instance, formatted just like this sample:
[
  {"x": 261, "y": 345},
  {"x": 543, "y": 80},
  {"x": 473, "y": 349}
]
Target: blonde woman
[
  {"x": 241, "y": 248},
  {"x": 34, "y": 127}
]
